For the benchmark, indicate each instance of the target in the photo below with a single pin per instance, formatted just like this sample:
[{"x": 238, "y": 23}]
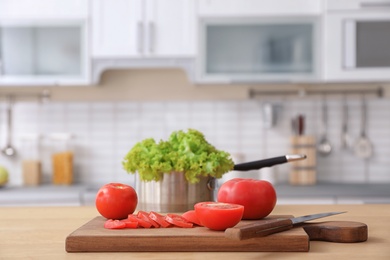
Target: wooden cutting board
[{"x": 93, "y": 237}]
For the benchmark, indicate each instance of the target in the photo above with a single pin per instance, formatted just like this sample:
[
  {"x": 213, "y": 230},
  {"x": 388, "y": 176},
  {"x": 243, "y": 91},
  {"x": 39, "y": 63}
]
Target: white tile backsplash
[{"x": 106, "y": 131}]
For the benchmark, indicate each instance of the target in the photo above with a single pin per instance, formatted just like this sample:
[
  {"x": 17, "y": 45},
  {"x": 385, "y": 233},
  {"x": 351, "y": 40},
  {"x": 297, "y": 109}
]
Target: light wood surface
[
  {"x": 93, "y": 237},
  {"x": 40, "y": 233}
]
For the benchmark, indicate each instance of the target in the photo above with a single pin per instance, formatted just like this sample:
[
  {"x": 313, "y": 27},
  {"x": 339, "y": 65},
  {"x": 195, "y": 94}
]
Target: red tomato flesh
[
  {"x": 217, "y": 215},
  {"x": 178, "y": 221},
  {"x": 191, "y": 216},
  {"x": 141, "y": 222},
  {"x": 145, "y": 216},
  {"x": 129, "y": 223},
  {"x": 160, "y": 219},
  {"x": 114, "y": 224}
]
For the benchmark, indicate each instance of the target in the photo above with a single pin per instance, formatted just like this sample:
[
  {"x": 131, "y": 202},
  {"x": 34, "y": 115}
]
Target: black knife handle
[{"x": 255, "y": 165}]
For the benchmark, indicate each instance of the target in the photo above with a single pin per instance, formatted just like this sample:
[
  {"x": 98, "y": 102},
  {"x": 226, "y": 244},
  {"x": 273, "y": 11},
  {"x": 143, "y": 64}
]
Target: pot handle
[
  {"x": 255, "y": 165},
  {"x": 211, "y": 183}
]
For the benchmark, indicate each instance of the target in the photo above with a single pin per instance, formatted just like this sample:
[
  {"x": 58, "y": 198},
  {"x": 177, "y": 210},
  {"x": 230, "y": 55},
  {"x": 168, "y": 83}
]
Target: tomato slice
[
  {"x": 178, "y": 221},
  {"x": 129, "y": 223},
  {"x": 218, "y": 215},
  {"x": 141, "y": 222},
  {"x": 145, "y": 216},
  {"x": 191, "y": 216},
  {"x": 114, "y": 224},
  {"x": 160, "y": 219}
]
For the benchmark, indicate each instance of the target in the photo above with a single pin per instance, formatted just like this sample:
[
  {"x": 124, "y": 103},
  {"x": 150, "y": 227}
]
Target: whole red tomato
[
  {"x": 116, "y": 200},
  {"x": 257, "y": 196}
]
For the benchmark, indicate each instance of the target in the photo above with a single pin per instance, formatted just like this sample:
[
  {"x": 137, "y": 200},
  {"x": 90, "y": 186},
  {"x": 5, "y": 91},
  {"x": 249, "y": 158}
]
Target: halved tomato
[
  {"x": 178, "y": 221},
  {"x": 114, "y": 224},
  {"x": 218, "y": 215},
  {"x": 191, "y": 216}
]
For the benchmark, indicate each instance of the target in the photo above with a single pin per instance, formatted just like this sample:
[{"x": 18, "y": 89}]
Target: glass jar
[
  {"x": 31, "y": 161},
  {"x": 62, "y": 159}
]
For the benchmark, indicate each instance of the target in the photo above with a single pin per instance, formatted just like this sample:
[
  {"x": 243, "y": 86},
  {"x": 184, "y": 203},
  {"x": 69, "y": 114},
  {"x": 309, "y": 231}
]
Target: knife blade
[
  {"x": 271, "y": 226},
  {"x": 255, "y": 165}
]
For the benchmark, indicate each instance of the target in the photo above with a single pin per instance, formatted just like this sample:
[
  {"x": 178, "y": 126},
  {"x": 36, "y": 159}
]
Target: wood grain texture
[
  {"x": 93, "y": 237},
  {"x": 259, "y": 229},
  {"x": 40, "y": 233},
  {"x": 337, "y": 231}
]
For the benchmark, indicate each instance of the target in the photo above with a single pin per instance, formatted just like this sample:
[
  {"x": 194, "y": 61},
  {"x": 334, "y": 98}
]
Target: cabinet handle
[
  {"x": 378, "y": 4},
  {"x": 152, "y": 36},
  {"x": 1, "y": 61},
  {"x": 349, "y": 44},
  {"x": 140, "y": 38}
]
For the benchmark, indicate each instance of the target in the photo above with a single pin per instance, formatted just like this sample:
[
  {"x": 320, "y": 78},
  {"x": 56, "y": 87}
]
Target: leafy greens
[{"x": 187, "y": 152}]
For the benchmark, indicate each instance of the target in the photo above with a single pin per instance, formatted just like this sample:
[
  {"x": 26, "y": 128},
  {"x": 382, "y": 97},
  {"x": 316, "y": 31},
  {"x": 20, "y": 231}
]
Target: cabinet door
[
  {"x": 46, "y": 52},
  {"x": 170, "y": 28},
  {"x": 117, "y": 28},
  {"x": 43, "y": 9},
  {"x": 215, "y": 8}
]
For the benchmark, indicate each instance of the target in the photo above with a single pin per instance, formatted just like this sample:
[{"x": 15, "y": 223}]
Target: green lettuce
[{"x": 187, "y": 152}]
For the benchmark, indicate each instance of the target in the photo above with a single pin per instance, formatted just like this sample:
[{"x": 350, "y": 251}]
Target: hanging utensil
[
  {"x": 363, "y": 146},
  {"x": 294, "y": 126},
  {"x": 346, "y": 140},
  {"x": 301, "y": 124},
  {"x": 324, "y": 146},
  {"x": 9, "y": 150},
  {"x": 298, "y": 125}
]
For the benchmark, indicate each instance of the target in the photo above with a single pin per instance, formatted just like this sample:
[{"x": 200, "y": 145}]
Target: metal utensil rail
[
  {"x": 42, "y": 96},
  {"x": 301, "y": 92}
]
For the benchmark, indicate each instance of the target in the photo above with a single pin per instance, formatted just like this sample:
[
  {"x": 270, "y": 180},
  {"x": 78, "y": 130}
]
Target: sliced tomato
[
  {"x": 178, "y": 221},
  {"x": 218, "y": 215},
  {"x": 160, "y": 219},
  {"x": 129, "y": 223},
  {"x": 114, "y": 224},
  {"x": 145, "y": 216},
  {"x": 191, "y": 216},
  {"x": 141, "y": 222}
]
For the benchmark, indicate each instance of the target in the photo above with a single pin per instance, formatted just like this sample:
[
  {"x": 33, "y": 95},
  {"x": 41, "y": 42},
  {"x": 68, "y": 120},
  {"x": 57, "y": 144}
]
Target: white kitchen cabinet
[
  {"x": 43, "y": 9},
  {"x": 357, "y": 41},
  {"x": 44, "y": 43},
  {"x": 242, "y": 8},
  {"x": 143, "y": 28},
  {"x": 265, "y": 49}
]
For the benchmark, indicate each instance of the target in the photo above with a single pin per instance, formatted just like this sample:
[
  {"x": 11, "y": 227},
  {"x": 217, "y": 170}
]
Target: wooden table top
[{"x": 40, "y": 233}]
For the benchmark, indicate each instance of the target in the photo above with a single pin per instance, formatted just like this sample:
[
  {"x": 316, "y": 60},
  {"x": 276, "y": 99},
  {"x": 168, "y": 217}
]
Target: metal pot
[{"x": 173, "y": 193}]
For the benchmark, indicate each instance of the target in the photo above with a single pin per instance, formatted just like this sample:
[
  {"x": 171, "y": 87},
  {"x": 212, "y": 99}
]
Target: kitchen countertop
[
  {"x": 42, "y": 195},
  {"x": 81, "y": 194},
  {"x": 337, "y": 193},
  {"x": 40, "y": 232},
  {"x": 335, "y": 189}
]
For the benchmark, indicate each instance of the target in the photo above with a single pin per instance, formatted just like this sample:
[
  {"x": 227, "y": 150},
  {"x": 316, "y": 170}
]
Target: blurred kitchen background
[{"x": 87, "y": 79}]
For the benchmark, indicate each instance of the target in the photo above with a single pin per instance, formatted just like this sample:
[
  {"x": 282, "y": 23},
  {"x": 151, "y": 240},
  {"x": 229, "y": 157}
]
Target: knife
[
  {"x": 271, "y": 226},
  {"x": 255, "y": 165}
]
